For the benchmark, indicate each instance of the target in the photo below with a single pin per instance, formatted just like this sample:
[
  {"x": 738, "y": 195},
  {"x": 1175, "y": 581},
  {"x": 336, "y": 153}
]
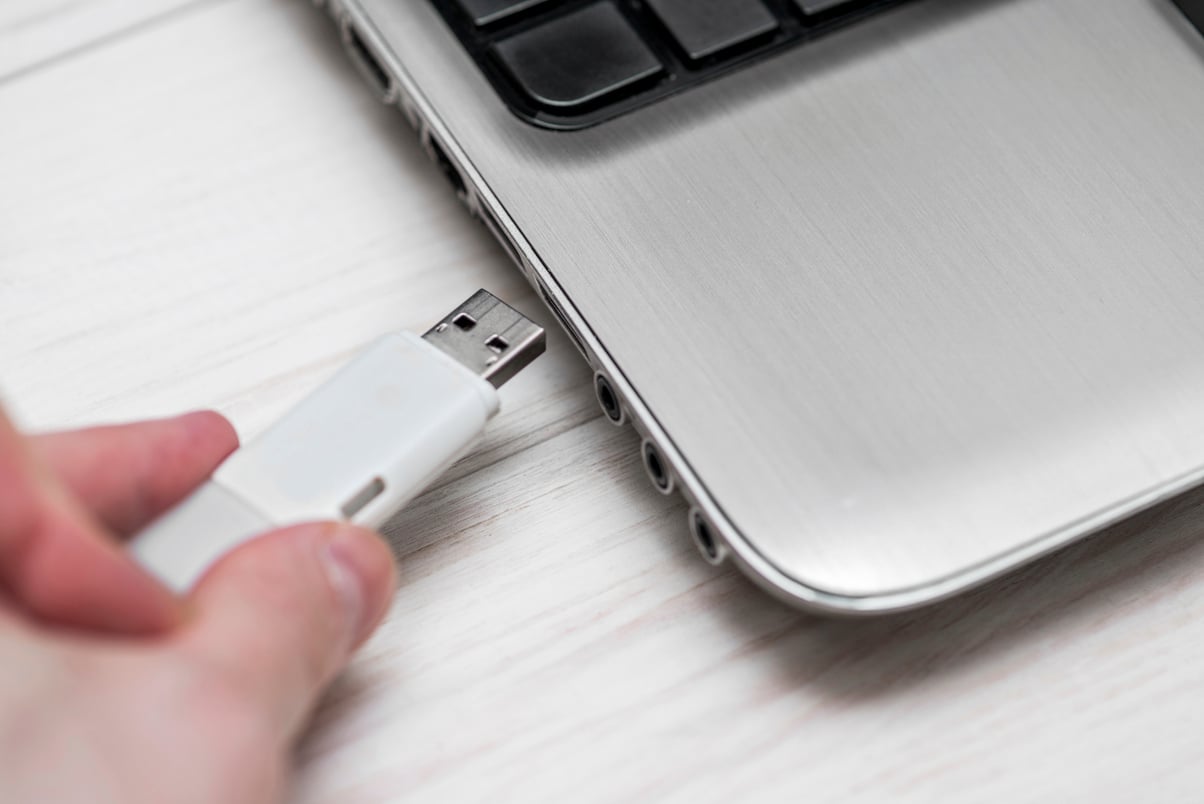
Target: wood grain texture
[
  {"x": 222, "y": 233},
  {"x": 36, "y": 33}
]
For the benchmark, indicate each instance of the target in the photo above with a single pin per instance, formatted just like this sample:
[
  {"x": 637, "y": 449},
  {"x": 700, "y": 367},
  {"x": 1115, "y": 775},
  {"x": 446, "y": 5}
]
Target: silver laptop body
[{"x": 896, "y": 310}]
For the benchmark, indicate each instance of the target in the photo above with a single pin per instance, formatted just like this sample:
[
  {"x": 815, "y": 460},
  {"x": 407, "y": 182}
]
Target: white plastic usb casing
[{"x": 360, "y": 447}]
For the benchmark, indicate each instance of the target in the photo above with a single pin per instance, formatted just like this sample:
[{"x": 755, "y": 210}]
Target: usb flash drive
[{"x": 360, "y": 447}]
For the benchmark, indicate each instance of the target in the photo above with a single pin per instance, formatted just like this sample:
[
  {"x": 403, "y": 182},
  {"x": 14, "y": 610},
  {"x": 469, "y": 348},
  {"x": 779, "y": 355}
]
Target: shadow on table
[{"x": 1061, "y": 598}]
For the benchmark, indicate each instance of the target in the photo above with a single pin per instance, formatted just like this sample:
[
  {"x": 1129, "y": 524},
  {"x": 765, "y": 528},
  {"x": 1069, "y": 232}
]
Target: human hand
[{"x": 112, "y": 688}]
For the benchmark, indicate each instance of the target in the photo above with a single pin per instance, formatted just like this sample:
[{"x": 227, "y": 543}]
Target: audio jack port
[
  {"x": 704, "y": 539},
  {"x": 655, "y": 466},
  {"x": 608, "y": 400}
]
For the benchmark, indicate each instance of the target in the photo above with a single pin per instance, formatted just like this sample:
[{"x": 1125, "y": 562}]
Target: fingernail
[
  {"x": 348, "y": 587},
  {"x": 348, "y": 558}
]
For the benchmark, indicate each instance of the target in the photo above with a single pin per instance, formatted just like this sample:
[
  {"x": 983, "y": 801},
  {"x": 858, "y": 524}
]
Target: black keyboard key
[
  {"x": 706, "y": 27},
  {"x": 578, "y": 59},
  {"x": 487, "y": 12},
  {"x": 570, "y": 64},
  {"x": 819, "y": 6},
  {"x": 1194, "y": 9}
]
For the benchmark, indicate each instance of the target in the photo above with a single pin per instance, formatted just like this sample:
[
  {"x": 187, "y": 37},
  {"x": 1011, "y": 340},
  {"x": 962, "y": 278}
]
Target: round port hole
[
  {"x": 608, "y": 400},
  {"x": 658, "y": 473},
  {"x": 704, "y": 537}
]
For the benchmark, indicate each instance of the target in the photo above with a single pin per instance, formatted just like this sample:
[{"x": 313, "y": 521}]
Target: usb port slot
[
  {"x": 446, "y": 166},
  {"x": 499, "y": 234},
  {"x": 366, "y": 61},
  {"x": 564, "y": 322}
]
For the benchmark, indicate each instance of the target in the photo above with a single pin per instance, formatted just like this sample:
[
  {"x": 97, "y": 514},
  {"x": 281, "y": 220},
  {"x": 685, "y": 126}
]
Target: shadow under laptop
[
  {"x": 1062, "y": 598},
  {"x": 1133, "y": 564}
]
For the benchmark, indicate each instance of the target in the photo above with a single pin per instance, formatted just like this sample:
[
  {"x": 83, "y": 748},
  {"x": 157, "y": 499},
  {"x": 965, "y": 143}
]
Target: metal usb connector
[{"x": 489, "y": 337}]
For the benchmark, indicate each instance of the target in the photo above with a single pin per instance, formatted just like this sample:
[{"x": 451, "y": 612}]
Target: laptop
[{"x": 899, "y": 295}]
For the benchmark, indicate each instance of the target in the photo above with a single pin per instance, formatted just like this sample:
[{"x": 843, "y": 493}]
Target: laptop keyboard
[{"x": 568, "y": 64}]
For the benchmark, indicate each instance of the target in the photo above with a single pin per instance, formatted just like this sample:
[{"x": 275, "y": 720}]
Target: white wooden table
[{"x": 200, "y": 206}]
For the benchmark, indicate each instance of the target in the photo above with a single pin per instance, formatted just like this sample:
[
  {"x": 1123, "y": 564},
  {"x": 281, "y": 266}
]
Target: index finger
[
  {"x": 128, "y": 474},
  {"x": 59, "y": 565}
]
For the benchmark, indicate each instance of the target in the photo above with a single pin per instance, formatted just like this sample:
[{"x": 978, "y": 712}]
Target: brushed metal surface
[{"x": 904, "y": 307}]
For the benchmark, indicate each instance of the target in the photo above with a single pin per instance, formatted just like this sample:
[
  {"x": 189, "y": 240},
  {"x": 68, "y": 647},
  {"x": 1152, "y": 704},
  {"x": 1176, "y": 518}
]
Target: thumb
[{"x": 280, "y": 616}]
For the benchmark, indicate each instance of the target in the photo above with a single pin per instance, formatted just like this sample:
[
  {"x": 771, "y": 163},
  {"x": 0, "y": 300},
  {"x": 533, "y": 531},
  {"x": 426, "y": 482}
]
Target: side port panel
[{"x": 706, "y": 526}]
